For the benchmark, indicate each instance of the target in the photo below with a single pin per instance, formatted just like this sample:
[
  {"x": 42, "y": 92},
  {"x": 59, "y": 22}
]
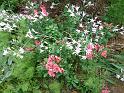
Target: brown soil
[{"x": 118, "y": 88}]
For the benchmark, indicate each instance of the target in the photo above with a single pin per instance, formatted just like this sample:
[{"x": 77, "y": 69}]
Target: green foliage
[
  {"x": 55, "y": 87},
  {"x": 11, "y": 4},
  {"x": 4, "y": 41},
  {"x": 115, "y": 12},
  {"x": 93, "y": 85}
]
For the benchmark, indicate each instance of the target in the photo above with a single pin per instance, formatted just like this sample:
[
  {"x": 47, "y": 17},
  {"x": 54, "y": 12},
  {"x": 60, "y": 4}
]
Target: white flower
[
  {"x": 40, "y": 17},
  {"x": 46, "y": 47},
  {"x": 122, "y": 27},
  {"x": 122, "y": 79},
  {"x": 86, "y": 31},
  {"x": 17, "y": 54},
  {"x": 83, "y": 14},
  {"x": 92, "y": 20},
  {"x": 73, "y": 41},
  {"x": 51, "y": 6},
  {"x": 41, "y": 45},
  {"x": 100, "y": 27},
  {"x": 41, "y": 50},
  {"x": 2, "y": 70},
  {"x": 5, "y": 52},
  {"x": 14, "y": 25},
  {"x": 99, "y": 22},
  {"x": 67, "y": 6},
  {"x": 122, "y": 33},
  {"x": 83, "y": 57},
  {"x": 89, "y": 3},
  {"x": 77, "y": 50},
  {"x": 77, "y": 8},
  {"x": 69, "y": 45},
  {"x": 72, "y": 14},
  {"x": 122, "y": 70},
  {"x": 21, "y": 50},
  {"x": 80, "y": 25},
  {"x": 29, "y": 34},
  {"x": 117, "y": 76},
  {"x": 2, "y": 24},
  {"x": 94, "y": 29}
]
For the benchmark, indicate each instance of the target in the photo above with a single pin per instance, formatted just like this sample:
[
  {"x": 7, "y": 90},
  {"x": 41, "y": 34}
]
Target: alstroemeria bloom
[
  {"x": 52, "y": 67},
  {"x": 43, "y": 9},
  {"x": 89, "y": 51},
  {"x": 90, "y": 46},
  {"x": 51, "y": 73},
  {"x": 106, "y": 90},
  {"x": 104, "y": 53},
  {"x": 37, "y": 42},
  {"x": 35, "y": 12},
  {"x": 89, "y": 54},
  {"x": 57, "y": 59},
  {"x": 97, "y": 47}
]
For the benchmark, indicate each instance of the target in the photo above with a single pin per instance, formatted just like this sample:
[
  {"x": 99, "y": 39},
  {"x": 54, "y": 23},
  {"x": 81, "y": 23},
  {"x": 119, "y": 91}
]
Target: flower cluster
[
  {"x": 8, "y": 21},
  {"x": 105, "y": 90},
  {"x": 40, "y": 7},
  {"x": 52, "y": 67},
  {"x": 121, "y": 75},
  {"x": 90, "y": 48}
]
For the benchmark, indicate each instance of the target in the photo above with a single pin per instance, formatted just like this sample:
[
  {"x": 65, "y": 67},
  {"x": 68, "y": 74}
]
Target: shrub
[
  {"x": 11, "y": 4},
  {"x": 115, "y": 12}
]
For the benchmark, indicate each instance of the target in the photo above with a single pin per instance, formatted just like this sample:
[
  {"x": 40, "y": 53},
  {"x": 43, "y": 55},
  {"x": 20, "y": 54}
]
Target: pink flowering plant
[{"x": 69, "y": 50}]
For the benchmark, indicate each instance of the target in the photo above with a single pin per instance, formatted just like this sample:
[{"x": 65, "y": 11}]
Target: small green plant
[{"x": 55, "y": 87}]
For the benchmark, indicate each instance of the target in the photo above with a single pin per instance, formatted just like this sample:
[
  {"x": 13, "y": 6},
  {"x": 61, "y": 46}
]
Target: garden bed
[{"x": 60, "y": 46}]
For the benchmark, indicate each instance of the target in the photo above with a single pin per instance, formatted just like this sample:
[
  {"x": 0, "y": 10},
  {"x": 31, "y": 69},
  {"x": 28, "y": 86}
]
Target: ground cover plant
[{"x": 55, "y": 47}]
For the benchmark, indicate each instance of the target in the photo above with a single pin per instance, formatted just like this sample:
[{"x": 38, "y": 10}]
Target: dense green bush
[
  {"x": 11, "y": 4},
  {"x": 115, "y": 12}
]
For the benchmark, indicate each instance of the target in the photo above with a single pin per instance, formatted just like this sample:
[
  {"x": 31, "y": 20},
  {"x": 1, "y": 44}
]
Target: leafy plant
[
  {"x": 115, "y": 12},
  {"x": 11, "y": 4}
]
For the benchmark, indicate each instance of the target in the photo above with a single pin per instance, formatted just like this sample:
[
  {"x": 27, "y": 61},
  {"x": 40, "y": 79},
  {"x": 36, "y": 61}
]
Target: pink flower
[
  {"x": 37, "y": 42},
  {"x": 56, "y": 68},
  {"x": 97, "y": 47},
  {"x": 57, "y": 59},
  {"x": 43, "y": 9},
  {"x": 89, "y": 54},
  {"x": 50, "y": 60},
  {"x": 49, "y": 66},
  {"x": 90, "y": 46},
  {"x": 61, "y": 70},
  {"x": 106, "y": 90},
  {"x": 52, "y": 67},
  {"x": 51, "y": 73},
  {"x": 54, "y": 58},
  {"x": 35, "y": 12},
  {"x": 104, "y": 53},
  {"x": 89, "y": 51}
]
